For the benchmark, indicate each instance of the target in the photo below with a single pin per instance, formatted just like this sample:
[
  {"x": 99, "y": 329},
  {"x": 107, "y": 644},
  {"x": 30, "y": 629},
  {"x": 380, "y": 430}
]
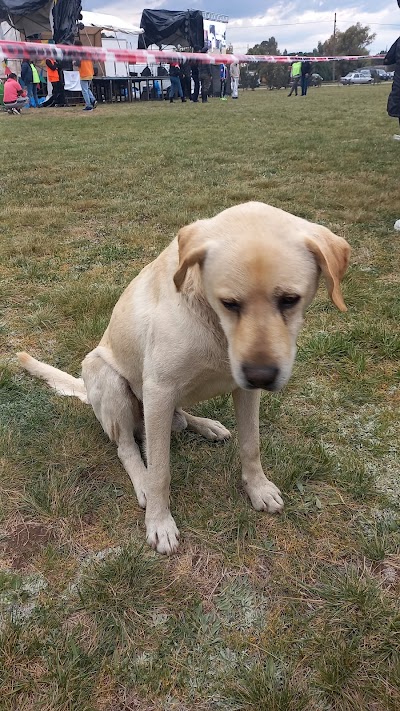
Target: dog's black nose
[{"x": 260, "y": 376}]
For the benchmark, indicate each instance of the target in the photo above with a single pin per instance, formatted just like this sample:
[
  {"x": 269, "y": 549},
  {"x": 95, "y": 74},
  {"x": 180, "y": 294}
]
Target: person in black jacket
[
  {"x": 305, "y": 75},
  {"x": 176, "y": 86},
  {"x": 205, "y": 77},
  {"x": 195, "y": 76},
  {"x": 393, "y": 104}
]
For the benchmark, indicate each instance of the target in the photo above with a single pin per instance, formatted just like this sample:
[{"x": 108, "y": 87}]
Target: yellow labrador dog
[{"x": 217, "y": 312}]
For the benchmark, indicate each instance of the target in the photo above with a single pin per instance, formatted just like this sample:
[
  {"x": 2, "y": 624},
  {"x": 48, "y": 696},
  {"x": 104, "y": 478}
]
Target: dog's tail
[{"x": 63, "y": 383}]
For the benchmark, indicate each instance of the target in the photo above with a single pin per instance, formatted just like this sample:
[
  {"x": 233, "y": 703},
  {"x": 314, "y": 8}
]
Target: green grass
[{"x": 293, "y": 613}]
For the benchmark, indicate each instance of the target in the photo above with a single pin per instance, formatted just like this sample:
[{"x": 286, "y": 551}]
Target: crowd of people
[
  {"x": 19, "y": 94},
  {"x": 189, "y": 81},
  {"x": 183, "y": 74}
]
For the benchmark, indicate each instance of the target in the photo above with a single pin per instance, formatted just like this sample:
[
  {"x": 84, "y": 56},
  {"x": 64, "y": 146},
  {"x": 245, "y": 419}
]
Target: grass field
[{"x": 295, "y": 613}]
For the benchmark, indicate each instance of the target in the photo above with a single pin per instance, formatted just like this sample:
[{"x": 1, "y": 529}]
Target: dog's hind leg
[
  {"x": 120, "y": 415},
  {"x": 210, "y": 429}
]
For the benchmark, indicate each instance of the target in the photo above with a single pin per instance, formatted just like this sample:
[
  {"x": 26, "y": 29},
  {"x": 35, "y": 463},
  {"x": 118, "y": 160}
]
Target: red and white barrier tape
[{"x": 38, "y": 51}]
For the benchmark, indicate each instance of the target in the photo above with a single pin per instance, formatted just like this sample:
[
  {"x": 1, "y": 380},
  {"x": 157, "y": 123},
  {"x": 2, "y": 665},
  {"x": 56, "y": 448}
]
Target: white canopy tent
[
  {"x": 121, "y": 35},
  {"x": 109, "y": 22}
]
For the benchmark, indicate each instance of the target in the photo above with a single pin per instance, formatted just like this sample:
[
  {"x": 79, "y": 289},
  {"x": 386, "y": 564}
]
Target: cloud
[{"x": 297, "y": 26}]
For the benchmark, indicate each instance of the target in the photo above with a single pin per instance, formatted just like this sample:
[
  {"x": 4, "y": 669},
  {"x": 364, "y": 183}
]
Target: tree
[
  {"x": 355, "y": 40},
  {"x": 273, "y": 75}
]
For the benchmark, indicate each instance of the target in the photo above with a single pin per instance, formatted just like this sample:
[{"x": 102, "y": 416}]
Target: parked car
[
  {"x": 357, "y": 78},
  {"x": 390, "y": 75},
  {"x": 376, "y": 74}
]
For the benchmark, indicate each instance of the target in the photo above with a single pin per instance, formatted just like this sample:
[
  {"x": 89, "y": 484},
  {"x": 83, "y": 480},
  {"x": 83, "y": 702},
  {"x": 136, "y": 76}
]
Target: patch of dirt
[
  {"x": 204, "y": 570},
  {"x": 389, "y": 571},
  {"x": 22, "y": 543}
]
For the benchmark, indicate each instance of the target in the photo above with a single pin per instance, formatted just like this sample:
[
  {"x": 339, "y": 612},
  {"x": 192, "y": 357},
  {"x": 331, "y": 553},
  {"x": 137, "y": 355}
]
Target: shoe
[
  {"x": 94, "y": 103},
  {"x": 9, "y": 111},
  {"x": 17, "y": 112},
  {"x": 88, "y": 108},
  {"x": 396, "y": 136},
  {"x": 183, "y": 101},
  {"x": 171, "y": 101}
]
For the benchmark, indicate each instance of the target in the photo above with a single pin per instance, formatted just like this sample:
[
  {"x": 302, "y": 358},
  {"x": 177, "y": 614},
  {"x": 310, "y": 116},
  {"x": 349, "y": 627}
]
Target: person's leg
[
  {"x": 205, "y": 86},
  {"x": 234, "y": 87},
  {"x": 29, "y": 88},
  {"x": 196, "y": 89},
  {"x": 179, "y": 87},
  {"x": 35, "y": 95},
  {"x": 56, "y": 93},
  {"x": 91, "y": 96},
  {"x": 21, "y": 102},
  {"x": 172, "y": 90},
  {"x": 85, "y": 93},
  {"x": 61, "y": 99}
]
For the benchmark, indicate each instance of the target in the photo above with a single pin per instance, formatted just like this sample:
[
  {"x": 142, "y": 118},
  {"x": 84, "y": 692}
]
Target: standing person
[
  {"x": 186, "y": 79},
  {"x": 305, "y": 74},
  {"x": 393, "y": 104},
  {"x": 234, "y": 71},
  {"x": 223, "y": 72},
  {"x": 86, "y": 74},
  {"x": 176, "y": 86},
  {"x": 13, "y": 98},
  {"x": 295, "y": 76},
  {"x": 196, "y": 79},
  {"x": 27, "y": 78},
  {"x": 205, "y": 77},
  {"x": 54, "y": 76}
]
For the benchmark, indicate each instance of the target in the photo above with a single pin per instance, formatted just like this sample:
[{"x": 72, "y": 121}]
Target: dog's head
[{"x": 259, "y": 268}]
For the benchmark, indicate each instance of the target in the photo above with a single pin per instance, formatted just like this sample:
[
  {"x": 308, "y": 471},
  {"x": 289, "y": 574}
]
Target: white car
[{"x": 356, "y": 78}]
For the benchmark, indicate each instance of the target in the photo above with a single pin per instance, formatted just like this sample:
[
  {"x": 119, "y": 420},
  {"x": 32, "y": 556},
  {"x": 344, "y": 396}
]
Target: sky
[{"x": 297, "y": 25}]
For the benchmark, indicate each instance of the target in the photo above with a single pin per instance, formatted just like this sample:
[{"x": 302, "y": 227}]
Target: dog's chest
[{"x": 206, "y": 385}]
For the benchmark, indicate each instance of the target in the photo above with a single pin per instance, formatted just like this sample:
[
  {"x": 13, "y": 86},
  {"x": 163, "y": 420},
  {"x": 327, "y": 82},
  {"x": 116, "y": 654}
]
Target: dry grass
[{"x": 297, "y": 612}]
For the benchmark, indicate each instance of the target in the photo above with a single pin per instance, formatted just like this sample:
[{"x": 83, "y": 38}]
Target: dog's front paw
[
  {"x": 211, "y": 429},
  {"x": 163, "y": 535},
  {"x": 265, "y": 496}
]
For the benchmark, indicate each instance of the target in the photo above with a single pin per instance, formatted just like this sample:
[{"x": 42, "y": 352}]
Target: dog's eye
[
  {"x": 233, "y": 306},
  {"x": 287, "y": 301}
]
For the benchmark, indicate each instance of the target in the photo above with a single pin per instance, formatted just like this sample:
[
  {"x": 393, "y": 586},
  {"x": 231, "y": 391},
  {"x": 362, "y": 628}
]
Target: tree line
[{"x": 353, "y": 41}]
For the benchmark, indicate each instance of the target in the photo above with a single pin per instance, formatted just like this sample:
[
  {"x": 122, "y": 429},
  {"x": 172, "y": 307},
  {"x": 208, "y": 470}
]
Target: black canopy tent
[
  {"x": 182, "y": 28},
  {"x": 33, "y": 17}
]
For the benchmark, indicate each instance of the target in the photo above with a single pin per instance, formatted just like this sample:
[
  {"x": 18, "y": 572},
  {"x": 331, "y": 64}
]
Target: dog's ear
[
  {"x": 332, "y": 254},
  {"x": 192, "y": 250}
]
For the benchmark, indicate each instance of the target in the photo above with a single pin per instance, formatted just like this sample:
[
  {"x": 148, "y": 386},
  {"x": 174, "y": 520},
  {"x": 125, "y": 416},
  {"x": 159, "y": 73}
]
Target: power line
[{"x": 292, "y": 24}]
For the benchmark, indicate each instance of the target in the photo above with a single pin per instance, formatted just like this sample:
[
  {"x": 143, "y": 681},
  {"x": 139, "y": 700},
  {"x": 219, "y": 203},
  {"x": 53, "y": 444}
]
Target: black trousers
[{"x": 186, "y": 86}]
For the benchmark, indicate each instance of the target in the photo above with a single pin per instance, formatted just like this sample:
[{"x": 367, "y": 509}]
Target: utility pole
[{"x": 334, "y": 47}]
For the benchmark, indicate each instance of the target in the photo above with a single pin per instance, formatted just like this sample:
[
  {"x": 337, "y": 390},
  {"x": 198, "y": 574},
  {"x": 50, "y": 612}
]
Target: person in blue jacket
[{"x": 28, "y": 80}]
